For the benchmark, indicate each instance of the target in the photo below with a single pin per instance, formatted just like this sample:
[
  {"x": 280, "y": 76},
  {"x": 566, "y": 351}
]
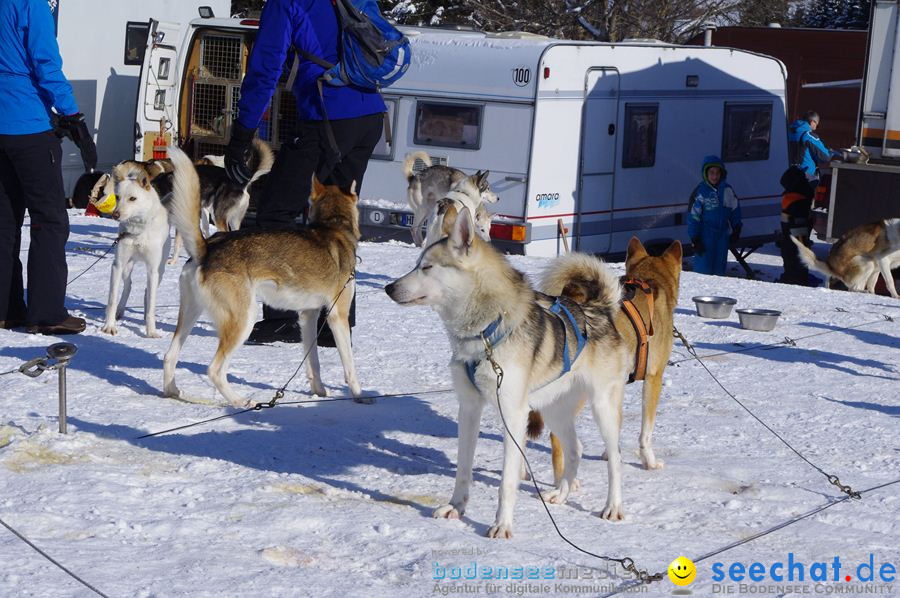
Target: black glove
[
  {"x": 735, "y": 234},
  {"x": 699, "y": 247},
  {"x": 237, "y": 154},
  {"x": 74, "y": 127}
]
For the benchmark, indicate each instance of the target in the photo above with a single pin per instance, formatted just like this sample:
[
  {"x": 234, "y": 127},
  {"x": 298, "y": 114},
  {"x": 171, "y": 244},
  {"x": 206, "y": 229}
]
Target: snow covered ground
[{"x": 334, "y": 498}]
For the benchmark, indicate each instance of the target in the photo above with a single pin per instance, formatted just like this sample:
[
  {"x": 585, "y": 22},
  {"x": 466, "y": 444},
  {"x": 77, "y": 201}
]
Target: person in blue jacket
[
  {"x": 35, "y": 96},
  {"x": 806, "y": 150},
  {"x": 714, "y": 221},
  {"x": 335, "y": 137}
]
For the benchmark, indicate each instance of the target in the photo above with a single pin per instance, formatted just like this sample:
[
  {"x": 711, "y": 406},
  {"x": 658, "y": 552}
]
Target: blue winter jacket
[
  {"x": 310, "y": 25},
  {"x": 807, "y": 150},
  {"x": 714, "y": 210},
  {"x": 31, "y": 77}
]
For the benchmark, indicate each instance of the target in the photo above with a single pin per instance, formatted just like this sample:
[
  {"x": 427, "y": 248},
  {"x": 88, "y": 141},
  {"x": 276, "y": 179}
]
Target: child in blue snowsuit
[{"x": 714, "y": 221}]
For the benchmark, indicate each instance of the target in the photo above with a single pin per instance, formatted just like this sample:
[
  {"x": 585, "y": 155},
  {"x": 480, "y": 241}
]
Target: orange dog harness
[{"x": 641, "y": 330}]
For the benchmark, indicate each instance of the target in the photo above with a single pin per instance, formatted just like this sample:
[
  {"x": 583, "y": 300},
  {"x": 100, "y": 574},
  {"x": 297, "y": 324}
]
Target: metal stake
[{"x": 62, "y": 353}]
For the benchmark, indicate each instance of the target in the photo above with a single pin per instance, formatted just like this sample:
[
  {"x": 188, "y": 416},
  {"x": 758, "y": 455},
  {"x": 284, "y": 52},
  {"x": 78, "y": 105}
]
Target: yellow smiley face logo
[{"x": 682, "y": 571}]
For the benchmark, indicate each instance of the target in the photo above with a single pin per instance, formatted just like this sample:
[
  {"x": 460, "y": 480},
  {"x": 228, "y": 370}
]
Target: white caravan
[
  {"x": 588, "y": 141},
  {"x": 102, "y": 45}
]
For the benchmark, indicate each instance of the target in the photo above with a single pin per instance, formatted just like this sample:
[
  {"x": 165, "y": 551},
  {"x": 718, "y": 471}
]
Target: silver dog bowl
[
  {"x": 714, "y": 307},
  {"x": 758, "y": 319}
]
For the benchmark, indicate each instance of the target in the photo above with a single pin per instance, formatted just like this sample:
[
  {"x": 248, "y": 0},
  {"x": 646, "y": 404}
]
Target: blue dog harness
[{"x": 492, "y": 335}]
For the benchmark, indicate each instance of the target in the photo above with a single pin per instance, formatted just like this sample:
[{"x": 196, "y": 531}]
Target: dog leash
[
  {"x": 832, "y": 479},
  {"x": 279, "y": 394}
]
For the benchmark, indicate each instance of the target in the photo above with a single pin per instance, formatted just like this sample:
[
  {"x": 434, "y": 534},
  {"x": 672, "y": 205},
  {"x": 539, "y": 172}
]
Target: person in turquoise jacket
[{"x": 714, "y": 221}]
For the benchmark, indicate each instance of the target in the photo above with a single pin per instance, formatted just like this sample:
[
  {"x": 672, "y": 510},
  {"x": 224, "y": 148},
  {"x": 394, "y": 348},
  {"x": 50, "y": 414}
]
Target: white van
[
  {"x": 606, "y": 139},
  {"x": 102, "y": 45}
]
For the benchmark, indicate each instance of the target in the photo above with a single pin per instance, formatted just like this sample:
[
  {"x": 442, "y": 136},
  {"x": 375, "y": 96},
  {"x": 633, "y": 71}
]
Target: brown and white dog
[
  {"x": 303, "y": 270},
  {"x": 662, "y": 275},
  {"x": 860, "y": 256}
]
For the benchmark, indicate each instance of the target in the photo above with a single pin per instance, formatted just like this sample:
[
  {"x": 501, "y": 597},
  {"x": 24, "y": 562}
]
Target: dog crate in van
[{"x": 212, "y": 58}]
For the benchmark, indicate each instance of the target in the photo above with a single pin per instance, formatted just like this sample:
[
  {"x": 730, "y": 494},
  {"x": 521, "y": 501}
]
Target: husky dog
[
  {"x": 860, "y": 256},
  {"x": 433, "y": 184},
  {"x": 662, "y": 276},
  {"x": 547, "y": 358},
  {"x": 222, "y": 201},
  {"x": 143, "y": 236},
  {"x": 464, "y": 195},
  {"x": 297, "y": 270}
]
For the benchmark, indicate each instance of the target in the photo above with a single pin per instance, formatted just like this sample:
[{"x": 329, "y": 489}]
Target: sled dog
[
  {"x": 860, "y": 256},
  {"x": 296, "y": 270},
  {"x": 662, "y": 277},
  {"x": 143, "y": 237},
  {"x": 434, "y": 183},
  {"x": 553, "y": 352}
]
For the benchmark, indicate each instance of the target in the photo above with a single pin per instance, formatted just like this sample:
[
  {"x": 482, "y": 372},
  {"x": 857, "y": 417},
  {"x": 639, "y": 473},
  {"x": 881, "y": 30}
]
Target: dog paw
[
  {"x": 171, "y": 391},
  {"x": 649, "y": 460},
  {"x": 319, "y": 389},
  {"x": 613, "y": 512},
  {"x": 557, "y": 496},
  {"x": 153, "y": 334},
  {"x": 110, "y": 329},
  {"x": 503, "y": 532},
  {"x": 446, "y": 512}
]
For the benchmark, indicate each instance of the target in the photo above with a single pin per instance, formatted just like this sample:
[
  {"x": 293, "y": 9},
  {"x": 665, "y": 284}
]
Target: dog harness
[
  {"x": 564, "y": 314},
  {"x": 641, "y": 330}
]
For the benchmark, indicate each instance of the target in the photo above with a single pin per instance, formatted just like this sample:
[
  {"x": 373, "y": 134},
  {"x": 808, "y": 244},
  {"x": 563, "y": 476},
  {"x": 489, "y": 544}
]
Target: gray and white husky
[
  {"x": 427, "y": 188},
  {"x": 479, "y": 296}
]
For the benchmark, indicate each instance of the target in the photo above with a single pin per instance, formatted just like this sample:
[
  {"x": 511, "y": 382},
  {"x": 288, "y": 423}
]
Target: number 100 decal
[{"x": 521, "y": 76}]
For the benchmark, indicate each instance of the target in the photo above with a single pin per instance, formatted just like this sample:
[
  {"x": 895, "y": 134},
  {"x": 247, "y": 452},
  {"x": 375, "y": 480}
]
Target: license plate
[{"x": 402, "y": 219}]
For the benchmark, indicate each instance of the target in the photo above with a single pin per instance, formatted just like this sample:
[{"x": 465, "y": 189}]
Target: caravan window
[
  {"x": 385, "y": 150},
  {"x": 639, "y": 148},
  {"x": 136, "y": 42},
  {"x": 745, "y": 135},
  {"x": 449, "y": 125}
]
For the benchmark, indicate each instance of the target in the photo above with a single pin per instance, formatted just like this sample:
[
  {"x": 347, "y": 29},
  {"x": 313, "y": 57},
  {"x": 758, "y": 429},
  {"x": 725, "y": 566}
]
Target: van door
[
  {"x": 158, "y": 89},
  {"x": 593, "y": 210}
]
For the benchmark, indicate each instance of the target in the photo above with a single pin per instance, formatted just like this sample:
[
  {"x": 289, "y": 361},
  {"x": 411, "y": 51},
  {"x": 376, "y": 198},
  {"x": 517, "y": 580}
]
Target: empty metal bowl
[
  {"x": 714, "y": 307},
  {"x": 758, "y": 319}
]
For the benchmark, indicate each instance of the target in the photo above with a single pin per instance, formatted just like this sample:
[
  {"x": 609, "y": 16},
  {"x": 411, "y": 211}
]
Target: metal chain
[
  {"x": 279, "y": 394},
  {"x": 626, "y": 562},
  {"x": 833, "y": 479}
]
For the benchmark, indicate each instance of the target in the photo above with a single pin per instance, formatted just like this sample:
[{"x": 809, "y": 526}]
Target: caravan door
[
  {"x": 593, "y": 211},
  {"x": 158, "y": 89}
]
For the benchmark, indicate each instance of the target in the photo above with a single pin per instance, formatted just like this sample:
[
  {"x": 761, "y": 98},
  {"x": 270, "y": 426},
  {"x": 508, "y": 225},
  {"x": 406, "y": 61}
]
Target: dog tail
[
  {"x": 535, "y": 424},
  {"x": 812, "y": 262},
  {"x": 584, "y": 278},
  {"x": 184, "y": 208},
  {"x": 410, "y": 161},
  {"x": 263, "y": 158}
]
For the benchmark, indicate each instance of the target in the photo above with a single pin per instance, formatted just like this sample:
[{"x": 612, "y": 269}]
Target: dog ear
[
  {"x": 461, "y": 236},
  {"x": 674, "y": 251},
  {"x": 144, "y": 180},
  {"x": 317, "y": 189},
  {"x": 450, "y": 215},
  {"x": 483, "y": 180},
  {"x": 353, "y": 190},
  {"x": 635, "y": 250}
]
